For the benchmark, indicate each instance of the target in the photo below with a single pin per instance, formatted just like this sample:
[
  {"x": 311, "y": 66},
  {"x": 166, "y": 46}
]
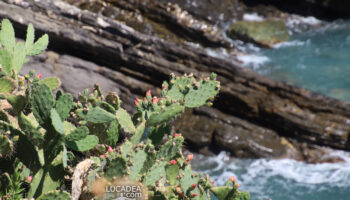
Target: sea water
[
  {"x": 318, "y": 60},
  {"x": 283, "y": 179}
]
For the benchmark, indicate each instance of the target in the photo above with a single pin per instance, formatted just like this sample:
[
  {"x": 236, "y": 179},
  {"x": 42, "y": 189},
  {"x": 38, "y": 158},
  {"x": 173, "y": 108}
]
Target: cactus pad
[
  {"x": 7, "y": 85},
  {"x": 78, "y": 134},
  {"x": 56, "y": 121},
  {"x": 84, "y": 144},
  {"x": 166, "y": 114},
  {"x": 57, "y": 195},
  {"x": 97, "y": 115},
  {"x": 64, "y": 104},
  {"x": 6, "y": 146},
  {"x": 155, "y": 173},
  {"x": 41, "y": 102},
  {"x": 125, "y": 121},
  {"x": 117, "y": 168}
]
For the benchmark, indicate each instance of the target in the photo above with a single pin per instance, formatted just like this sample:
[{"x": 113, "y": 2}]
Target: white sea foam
[
  {"x": 252, "y": 60},
  {"x": 252, "y": 17},
  {"x": 259, "y": 172},
  {"x": 290, "y": 43}
]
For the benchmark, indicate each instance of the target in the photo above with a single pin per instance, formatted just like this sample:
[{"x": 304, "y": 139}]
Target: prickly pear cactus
[
  {"x": 13, "y": 55},
  {"x": 49, "y": 135},
  {"x": 57, "y": 195},
  {"x": 7, "y": 85},
  {"x": 6, "y": 146}
]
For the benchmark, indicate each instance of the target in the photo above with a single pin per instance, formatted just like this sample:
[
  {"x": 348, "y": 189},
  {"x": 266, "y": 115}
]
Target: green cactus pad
[
  {"x": 41, "y": 102},
  {"x": 85, "y": 144},
  {"x": 125, "y": 121},
  {"x": 117, "y": 168},
  {"x": 112, "y": 134},
  {"x": 169, "y": 150},
  {"x": 4, "y": 116},
  {"x": 177, "y": 89},
  {"x": 137, "y": 160},
  {"x": 136, "y": 138},
  {"x": 30, "y": 37},
  {"x": 19, "y": 57},
  {"x": 168, "y": 113},
  {"x": 31, "y": 131},
  {"x": 64, "y": 104},
  {"x": 57, "y": 195},
  {"x": 47, "y": 178},
  {"x": 107, "y": 107},
  {"x": 157, "y": 133},
  {"x": 56, "y": 121},
  {"x": 172, "y": 172},
  {"x": 126, "y": 148},
  {"x": 155, "y": 173},
  {"x": 6, "y": 146},
  {"x": 97, "y": 115},
  {"x": 78, "y": 134},
  {"x": 228, "y": 193},
  {"x": 151, "y": 158},
  {"x": 187, "y": 180},
  {"x": 223, "y": 192},
  {"x": 18, "y": 102},
  {"x": 39, "y": 46},
  {"x": 6, "y": 61},
  {"x": 197, "y": 97},
  {"x": 113, "y": 99},
  {"x": 7, "y": 85},
  {"x": 7, "y": 35},
  {"x": 68, "y": 127}
]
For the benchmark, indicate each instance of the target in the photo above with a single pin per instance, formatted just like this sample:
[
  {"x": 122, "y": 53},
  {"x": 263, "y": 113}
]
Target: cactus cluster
[{"x": 49, "y": 134}]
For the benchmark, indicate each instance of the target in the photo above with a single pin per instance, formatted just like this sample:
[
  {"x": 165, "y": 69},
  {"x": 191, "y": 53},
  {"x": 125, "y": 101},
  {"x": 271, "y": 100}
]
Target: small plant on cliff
[{"x": 49, "y": 134}]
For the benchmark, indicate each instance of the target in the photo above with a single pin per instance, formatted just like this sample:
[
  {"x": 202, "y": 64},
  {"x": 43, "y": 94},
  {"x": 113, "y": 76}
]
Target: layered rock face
[
  {"x": 326, "y": 9},
  {"x": 253, "y": 116}
]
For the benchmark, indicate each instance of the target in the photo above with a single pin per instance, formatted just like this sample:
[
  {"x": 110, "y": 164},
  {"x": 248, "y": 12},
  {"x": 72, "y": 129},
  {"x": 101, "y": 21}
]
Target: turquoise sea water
[
  {"x": 281, "y": 179},
  {"x": 318, "y": 60}
]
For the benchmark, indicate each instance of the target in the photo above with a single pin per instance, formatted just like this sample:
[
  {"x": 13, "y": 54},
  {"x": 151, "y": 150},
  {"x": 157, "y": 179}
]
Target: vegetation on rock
[{"x": 264, "y": 33}]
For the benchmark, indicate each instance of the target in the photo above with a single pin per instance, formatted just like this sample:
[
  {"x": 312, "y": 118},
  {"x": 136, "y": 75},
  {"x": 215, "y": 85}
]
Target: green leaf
[
  {"x": 39, "y": 46},
  {"x": 30, "y": 38},
  {"x": 7, "y": 35}
]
